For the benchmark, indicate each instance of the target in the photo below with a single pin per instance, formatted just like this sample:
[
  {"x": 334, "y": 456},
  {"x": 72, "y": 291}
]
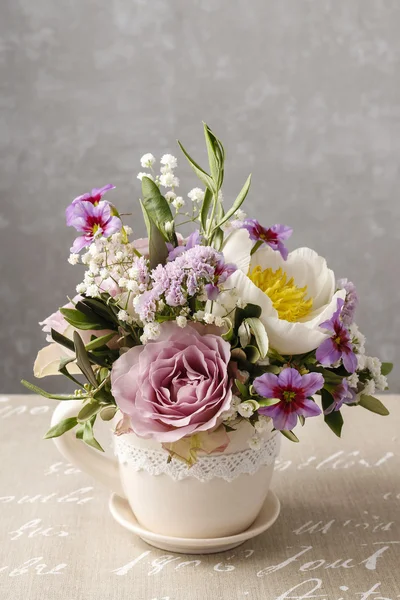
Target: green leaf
[
  {"x": 82, "y": 360},
  {"x": 88, "y": 410},
  {"x": 243, "y": 391},
  {"x": 107, "y": 413},
  {"x": 100, "y": 341},
  {"x": 62, "y": 368},
  {"x": 335, "y": 421},
  {"x": 216, "y": 156},
  {"x": 329, "y": 376},
  {"x": 252, "y": 354},
  {"x": 81, "y": 321},
  {"x": 260, "y": 334},
  {"x": 289, "y": 435},
  {"x": 217, "y": 239},
  {"x": 244, "y": 334},
  {"x": 158, "y": 251},
  {"x": 38, "y": 390},
  {"x": 79, "y": 432},
  {"x": 268, "y": 401},
  {"x": 61, "y": 428},
  {"x": 386, "y": 368},
  {"x": 205, "y": 207},
  {"x": 228, "y": 428},
  {"x": 238, "y": 202},
  {"x": 89, "y": 438},
  {"x": 101, "y": 308},
  {"x": 62, "y": 340},
  {"x": 202, "y": 175},
  {"x": 158, "y": 209},
  {"x": 373, "y": 404}
]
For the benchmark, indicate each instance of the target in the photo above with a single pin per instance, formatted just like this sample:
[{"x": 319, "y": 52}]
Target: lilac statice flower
[
  {"x": 350, "y": 303},
  {"x": 94, "y": 197},
  {"x": 92, "y": 221},
  {"x": 342, "y": 394},
  {"x": 193, "y": 240},
  {"x": 272, "y": 236},
  {"x": 339, "y": 345},
  {"x": 294, "y": 392}
]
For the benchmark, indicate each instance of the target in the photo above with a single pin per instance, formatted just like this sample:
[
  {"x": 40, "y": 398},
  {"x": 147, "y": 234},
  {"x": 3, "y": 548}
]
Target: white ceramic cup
[{"x": 188, "y": 507}]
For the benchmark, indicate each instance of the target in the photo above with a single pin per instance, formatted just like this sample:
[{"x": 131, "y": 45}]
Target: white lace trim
[{"x": 225, "y": 466}]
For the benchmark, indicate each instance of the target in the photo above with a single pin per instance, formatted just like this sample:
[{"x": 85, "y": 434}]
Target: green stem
[{"x": 256, "y": 247}]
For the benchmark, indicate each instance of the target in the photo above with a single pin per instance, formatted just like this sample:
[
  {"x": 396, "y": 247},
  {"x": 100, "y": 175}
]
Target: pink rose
[{"x": 175, "y": 386}]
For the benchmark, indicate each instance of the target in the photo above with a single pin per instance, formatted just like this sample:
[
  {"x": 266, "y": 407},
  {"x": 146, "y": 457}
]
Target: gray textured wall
[{"x": 305, "y": 94}]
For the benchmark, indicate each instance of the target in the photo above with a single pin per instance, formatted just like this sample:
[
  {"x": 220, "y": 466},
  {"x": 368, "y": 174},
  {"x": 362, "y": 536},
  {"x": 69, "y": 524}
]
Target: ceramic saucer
[{"x": 123, "y": 514}]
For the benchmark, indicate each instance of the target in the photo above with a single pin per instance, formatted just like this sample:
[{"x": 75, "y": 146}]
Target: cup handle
[{"x": 89, "y": 460}]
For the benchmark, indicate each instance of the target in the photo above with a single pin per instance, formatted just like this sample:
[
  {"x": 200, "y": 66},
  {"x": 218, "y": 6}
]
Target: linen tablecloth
[{"x": 337, "y": 537}]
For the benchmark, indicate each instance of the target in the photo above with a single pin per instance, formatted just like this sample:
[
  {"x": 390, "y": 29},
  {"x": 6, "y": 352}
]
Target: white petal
[
  {"x": 48, "y": 359},
  {"x": 251, "y": 294},
  {"x": 237, "y": 249},
  {"x": 325, "y": 312}
]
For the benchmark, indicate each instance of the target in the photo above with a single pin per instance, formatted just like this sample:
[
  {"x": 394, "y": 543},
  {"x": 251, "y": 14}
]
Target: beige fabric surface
[{"x": 337, "y": 537}]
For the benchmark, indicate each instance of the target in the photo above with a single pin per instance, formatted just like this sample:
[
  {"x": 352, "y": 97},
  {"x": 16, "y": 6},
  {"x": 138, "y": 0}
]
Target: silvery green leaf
[
  {"x": 61, "y": 428},
  {"x": 373, "y": 404},
  {"x": 238, "y": 202},
  {"x": 386, "y": 368},
  {"x": 89, "y": 438},
  {"x": 260, "y": 334},
  {"x": 202, "y": 175},
  {"x": 107, "y": 413},
  {"x": 289, "y": 435},
  {"x": 82, "y": 360},
  {"x": 38, "y": 390},
  {"x": 87, "y": 411}
]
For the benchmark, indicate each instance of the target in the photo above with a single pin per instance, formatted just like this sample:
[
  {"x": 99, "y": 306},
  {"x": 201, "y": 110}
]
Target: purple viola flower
[
  {"x": 339, "y": 345},
  {"x": 92, "y": 221},
  {"x": 193, "y": 240},
  {"x": 294, "y": 391},
  {"x": 94, "y": 197},
  {"x": 272, "y": 236},
  {"x": 221, "y": 273},
  {"x": 350, "y": 303},
  {"x": 341, "y": 394}
]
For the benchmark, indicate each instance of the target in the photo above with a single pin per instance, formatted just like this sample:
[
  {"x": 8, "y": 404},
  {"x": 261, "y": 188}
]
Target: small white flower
[
  {"x": 262, "y": 424},
  {"x": 85, "y": 258},
  {"x": 123, "y": 282},
  {"x": 240, "y": 215},
  {"x": 147, "y": 160},
  {"x": 241, "y": 303},
  {"x": 133, "y": 272},
  {"x": 151, "y": 330},
  {"x": 208, "y": 318},
  {"x": 178, "y": 202},
  {"x": 169, "y": 180},
  {"x": 141, "y": 175},
  {"x": 123, "y": 316},
  {"x": 73, "y": 259},
  {"x": 247, "y": 408},
  {"x": 161, "y": 305},
  {"x": 181, "y": 321},
  {"x": 119, "y": 255},
  {"x": 169, "y": 196},
  {"x": 235, "y": 401},
  {"x": 369, "y": 388},
  {"x": 104, "y": 273},
  {"x": 116, "y": 238},
  {"x": 255, "y": 442},
  {"x": 132, "y": 286},
  {"x": 169, "y": 225},
  {"x": 196, "y": 195},
  {"x": 93, "y": 250},
  {"x": 93, "y": 290},
  {"x": 361, "y": 361},
  {"x": 94, "y": 268},
  {"x": 169, "y": 160},
  {"x": 81, "y": 288},
  {"x": 381, "y": 383},
  {"x": 374, "y": 365},
  {"x": 199, "y": 315},
  {"x": 128, "y": 230},
  {"x": 352, "y": 380},
  {"x": 220, "y": 196},
  {"x": 219, "y": 321}
]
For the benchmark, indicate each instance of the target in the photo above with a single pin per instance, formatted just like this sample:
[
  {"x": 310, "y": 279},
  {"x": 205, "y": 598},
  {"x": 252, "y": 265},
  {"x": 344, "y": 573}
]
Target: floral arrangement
[{"x": 185, "y": 337}]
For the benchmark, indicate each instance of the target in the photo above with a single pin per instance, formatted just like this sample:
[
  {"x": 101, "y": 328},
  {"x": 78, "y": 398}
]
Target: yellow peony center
[{"x": 289, "y": 301}]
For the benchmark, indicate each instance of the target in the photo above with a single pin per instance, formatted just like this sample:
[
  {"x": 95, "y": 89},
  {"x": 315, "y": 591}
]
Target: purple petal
[
  {"x": 101, "y": 191},
  {"x": 112, "y": 226},
  {"x": 309, "y": 408},
  {"x": 79, "y": 243},
  {"x": 212, "y": 291},
  {"x": 284, "y": 232},
  {"x": 328, "y": 353},
  {"x": 266, "y": 385},
  {"x": 290, "y": 378},
  {"x": 311, "y": 383},
  {"x": 284, "y": 252},
  {"x": 349, "y": 361}
]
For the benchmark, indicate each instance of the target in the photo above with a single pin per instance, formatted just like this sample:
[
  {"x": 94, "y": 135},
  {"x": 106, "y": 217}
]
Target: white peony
[{"x": 295, "y": 295}]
